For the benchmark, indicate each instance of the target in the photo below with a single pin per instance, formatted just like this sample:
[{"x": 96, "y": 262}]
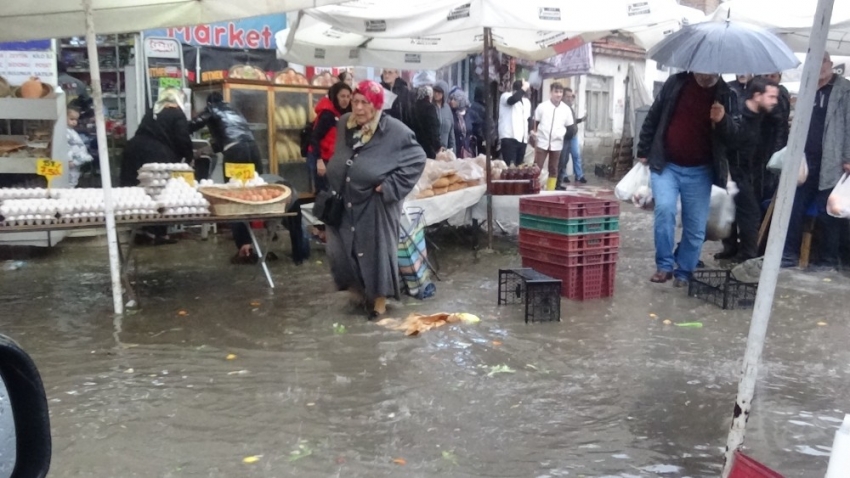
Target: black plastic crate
[
  {"x": 540, "y": 293},
  {"x": 721, "y": 289}
]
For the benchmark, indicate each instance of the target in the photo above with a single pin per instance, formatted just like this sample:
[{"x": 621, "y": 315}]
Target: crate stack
[{"x": 572, "y": 238}]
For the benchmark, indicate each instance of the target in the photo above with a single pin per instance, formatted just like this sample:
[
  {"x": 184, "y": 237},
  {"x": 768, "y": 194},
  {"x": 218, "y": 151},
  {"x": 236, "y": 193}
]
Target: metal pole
[
  {"x": 103, "y": 157},
  {"x": 778, "y": 230},
  {"x": 488, "y": 124}
]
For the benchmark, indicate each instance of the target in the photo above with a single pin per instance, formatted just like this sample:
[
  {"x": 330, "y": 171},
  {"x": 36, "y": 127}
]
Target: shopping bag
[
  {"x": 838, "y": 203},
  {"x": 638, "y": 177},
  {"x": 778, "y": 160},
  {"x": 721, "y": 214}
]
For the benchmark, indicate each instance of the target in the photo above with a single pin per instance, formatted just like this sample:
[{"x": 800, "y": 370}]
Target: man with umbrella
[{"x": 684, "y": 140}]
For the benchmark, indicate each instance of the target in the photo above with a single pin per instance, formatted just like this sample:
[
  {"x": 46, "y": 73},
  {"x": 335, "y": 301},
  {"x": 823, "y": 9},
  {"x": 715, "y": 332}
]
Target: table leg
[
  {"x": 126, "y": 258},
  {"x": 260, "y": 255}
]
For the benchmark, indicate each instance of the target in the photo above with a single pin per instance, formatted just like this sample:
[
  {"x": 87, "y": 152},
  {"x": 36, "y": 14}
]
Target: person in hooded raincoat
[
  {"x": 447, "y": 121},
  {"x": 376, "y": 163}
]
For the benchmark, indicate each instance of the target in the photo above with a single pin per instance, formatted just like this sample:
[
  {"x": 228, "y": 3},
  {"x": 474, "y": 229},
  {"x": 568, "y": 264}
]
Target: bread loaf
[
  {"x": 438, "y": 191},
  {"x": 425, "y": 194},
  {"x": 441, "y": 183},
  {"x": 457, "y": 186}
]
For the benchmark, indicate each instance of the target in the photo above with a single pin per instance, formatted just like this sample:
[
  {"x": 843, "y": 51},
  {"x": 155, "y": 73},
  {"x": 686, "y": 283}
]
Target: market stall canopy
[
  {"x": 428, "y": 34},
  {"x": 24, "y": 20},
  {"x": 791, "y": 20}
]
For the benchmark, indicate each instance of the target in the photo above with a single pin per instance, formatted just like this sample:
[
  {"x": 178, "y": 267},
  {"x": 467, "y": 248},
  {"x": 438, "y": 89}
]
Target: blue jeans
[
  {"x": 573, "y": 149},
  {"x": 693, "y": 185},
  {"x": 319, "y": 182}
]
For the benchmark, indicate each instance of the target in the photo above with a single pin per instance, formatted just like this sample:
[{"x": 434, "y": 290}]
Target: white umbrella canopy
[
  {"x": 791, "y": 20},
  {"x": 428, "y": 34},
  {"x": 23, "y": 20}
]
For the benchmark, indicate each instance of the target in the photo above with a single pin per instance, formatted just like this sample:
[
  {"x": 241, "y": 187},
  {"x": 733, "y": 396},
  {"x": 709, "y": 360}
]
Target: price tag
[
  {"x": 189, "y": 176},
  {"x": 167, "y": 82},
  {"x": 48, "y": 168},
  {"x": 240, "y": 171}
]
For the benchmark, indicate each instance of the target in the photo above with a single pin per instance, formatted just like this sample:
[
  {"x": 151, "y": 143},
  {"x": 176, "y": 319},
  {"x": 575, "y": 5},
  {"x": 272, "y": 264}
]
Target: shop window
[{"x": 598, "y": 104}]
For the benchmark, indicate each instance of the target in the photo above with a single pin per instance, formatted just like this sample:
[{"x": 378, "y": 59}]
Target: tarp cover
[{"x": 428, "y": 34}]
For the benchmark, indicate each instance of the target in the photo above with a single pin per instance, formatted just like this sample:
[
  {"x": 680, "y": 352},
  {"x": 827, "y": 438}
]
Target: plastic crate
[
  {"x": 575, "y": 242},
  {"x": 566, "y": 206},
  {"x": 721, "y": 289},
  {"x": 557, "y": 257},
  {"x": 570, "y": 226},
  {"x": 539, "y": 293},
  {"x": 746, "y": 467},
  {"x": 594, "y": 281}
]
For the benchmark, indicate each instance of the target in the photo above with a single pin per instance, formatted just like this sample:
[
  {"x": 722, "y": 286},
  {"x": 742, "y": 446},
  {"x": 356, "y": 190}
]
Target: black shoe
[
  {"x": 560, "y": 187},
  {"x": 680, "y": 283},
  {"x": 582, "y": 180},
  {"x": 566, "y": 180},
  {"x": 725, "y": 254},
  {"x": 789, "y": 262}
]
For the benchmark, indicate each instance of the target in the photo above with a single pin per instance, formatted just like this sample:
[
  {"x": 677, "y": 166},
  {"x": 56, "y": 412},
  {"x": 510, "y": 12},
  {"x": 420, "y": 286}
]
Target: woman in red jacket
[{"x": 322, "y": 142}]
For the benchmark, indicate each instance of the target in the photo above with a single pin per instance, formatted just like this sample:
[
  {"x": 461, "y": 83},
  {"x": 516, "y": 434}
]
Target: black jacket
[
  {"x": 403, "y": 108},
  {"x": 651, "y": 144},
  {"x": 426, "y": 127},
  {"x": 226, "y": 125},
  {"x": 743, "y": 147},
  {"x": 164, "y": 139}
]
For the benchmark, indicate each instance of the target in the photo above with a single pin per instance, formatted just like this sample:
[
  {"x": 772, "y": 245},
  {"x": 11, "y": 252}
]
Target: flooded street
[{"x": 216, "y": 368}]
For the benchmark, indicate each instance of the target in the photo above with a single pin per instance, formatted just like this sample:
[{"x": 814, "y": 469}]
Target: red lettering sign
[
  {"x": 252, "y": 39},
  {"x": 267, "y": 37},
  {"x": 235, "y": 35},
  {"x": 202, "y": 34},
  {"x": 219, "y": 32},
  {"x": 184, "y": 32}
]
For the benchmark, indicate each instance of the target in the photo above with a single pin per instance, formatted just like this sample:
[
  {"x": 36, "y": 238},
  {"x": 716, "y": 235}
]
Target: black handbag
[{"x": 330, "y": 205}]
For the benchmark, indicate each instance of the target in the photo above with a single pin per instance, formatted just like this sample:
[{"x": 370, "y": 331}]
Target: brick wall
[{"x": 707, "y": 6}]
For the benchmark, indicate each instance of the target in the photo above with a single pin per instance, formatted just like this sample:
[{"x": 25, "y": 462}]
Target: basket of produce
[{"x": 265, "y": 199}]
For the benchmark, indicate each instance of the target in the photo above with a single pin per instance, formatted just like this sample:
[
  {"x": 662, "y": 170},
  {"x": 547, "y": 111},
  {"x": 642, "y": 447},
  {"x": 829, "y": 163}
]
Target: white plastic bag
[
  {"x": 778, "y": 160},
  {"x": 638, "y": 177},
  {"x": 721, "y": 214},
  {"x": 838, "y": 203}
]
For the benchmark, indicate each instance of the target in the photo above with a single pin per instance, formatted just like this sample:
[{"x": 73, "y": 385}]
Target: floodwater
[{"x": 215, "y": 368}]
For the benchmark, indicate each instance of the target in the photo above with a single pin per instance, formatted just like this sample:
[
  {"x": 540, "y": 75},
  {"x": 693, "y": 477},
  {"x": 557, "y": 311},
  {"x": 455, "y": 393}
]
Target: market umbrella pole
[
  {"x": 488, "y": 123},
  {"x": 103, "y": 157},
  {"x": 778, "y": 230}
]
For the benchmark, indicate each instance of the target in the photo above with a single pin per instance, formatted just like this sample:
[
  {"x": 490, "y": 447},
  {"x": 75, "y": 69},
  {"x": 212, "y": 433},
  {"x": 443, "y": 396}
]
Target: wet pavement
[{"x": 215, "y": 368}]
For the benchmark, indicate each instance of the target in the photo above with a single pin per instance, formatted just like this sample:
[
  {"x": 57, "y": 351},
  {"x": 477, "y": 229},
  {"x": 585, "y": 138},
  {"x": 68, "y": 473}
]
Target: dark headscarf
[{"x": 333, "y": 93}]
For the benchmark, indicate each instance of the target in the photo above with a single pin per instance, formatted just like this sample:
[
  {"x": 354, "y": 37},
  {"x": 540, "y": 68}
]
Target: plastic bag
[
  {"x": 838, "y": 203},
  {"x": 638, "y": 177},
  {"x": 778, "y": 160},
  {"x": 721, "y": 213}
]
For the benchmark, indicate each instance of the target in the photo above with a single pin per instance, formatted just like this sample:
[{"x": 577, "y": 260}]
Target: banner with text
[{"x": 255, "y": 33}]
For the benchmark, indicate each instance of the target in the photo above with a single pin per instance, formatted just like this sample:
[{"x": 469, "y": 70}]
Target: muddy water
[{"x": 610, "y": 391}]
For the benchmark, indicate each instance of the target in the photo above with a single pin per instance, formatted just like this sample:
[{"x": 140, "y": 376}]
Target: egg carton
[{"x": 23, "y": 193}]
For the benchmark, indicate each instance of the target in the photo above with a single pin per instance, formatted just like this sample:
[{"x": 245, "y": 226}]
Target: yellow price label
[
  {"x": 189, "y": 176},
  {"x": 48, "y": 168},
  {"x": 240, "y": 171}
]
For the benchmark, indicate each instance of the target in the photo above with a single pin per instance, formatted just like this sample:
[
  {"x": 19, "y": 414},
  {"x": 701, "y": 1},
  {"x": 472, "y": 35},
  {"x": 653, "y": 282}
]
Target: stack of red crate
[{"x": 572, "y": 238}]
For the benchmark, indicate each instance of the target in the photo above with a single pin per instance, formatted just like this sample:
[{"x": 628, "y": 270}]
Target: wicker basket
[{"x": 221, "y": 205}]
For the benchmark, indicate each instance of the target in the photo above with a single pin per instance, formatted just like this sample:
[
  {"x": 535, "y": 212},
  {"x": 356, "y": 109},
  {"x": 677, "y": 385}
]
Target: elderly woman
[
  {"x": 162, "y": 137},
  {"x": 468, "y": 126},
  {"x": 376, "y": 163}
]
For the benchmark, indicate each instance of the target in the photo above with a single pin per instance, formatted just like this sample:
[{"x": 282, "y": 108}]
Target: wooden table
[{"x": 273, "y": 222}]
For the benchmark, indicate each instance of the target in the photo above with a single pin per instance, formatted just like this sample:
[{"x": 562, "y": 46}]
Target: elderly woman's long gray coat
[{"x": 363, "y": 250}]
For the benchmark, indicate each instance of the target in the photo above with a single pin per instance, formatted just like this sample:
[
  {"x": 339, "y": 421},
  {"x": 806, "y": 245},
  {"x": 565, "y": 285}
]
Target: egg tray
[{"x": 119, "y": 219}]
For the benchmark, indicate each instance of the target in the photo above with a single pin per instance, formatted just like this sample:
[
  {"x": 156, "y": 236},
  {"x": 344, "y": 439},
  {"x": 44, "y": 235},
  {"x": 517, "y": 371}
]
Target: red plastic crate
[
  {"x": 578, "y": 242},
  {"x": 588, "y": 282},
  {"x": 564, "y": 206},
  {"x": 746, "y": 467},
  {"x": 598, "y": 255}
]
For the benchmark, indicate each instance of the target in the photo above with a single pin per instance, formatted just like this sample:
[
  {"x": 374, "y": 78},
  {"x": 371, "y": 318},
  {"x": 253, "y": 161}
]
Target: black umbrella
[{"x": 724, "y": 47}]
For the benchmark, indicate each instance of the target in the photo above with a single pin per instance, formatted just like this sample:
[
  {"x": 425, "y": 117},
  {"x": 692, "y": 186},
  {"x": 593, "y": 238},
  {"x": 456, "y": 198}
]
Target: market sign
[
  {"x": 255, "y": 33},
  {"x": 240, "y": 171}
]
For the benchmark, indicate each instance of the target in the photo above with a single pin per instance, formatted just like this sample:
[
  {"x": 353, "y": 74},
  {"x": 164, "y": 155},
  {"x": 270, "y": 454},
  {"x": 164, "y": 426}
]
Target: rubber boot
[
  {"x": 551, "y": 184},
  {"x": 379, "y": 309}
]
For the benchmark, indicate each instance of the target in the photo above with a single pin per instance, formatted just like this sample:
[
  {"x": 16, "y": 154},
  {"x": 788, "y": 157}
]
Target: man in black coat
[
  {"x": 231, "y": 134},
  {"x": 774, "y": 136},
  {"x": 402, "y": 108},
  {"x": 762, "y": 97},
  {"x": 684, "y": 140}
]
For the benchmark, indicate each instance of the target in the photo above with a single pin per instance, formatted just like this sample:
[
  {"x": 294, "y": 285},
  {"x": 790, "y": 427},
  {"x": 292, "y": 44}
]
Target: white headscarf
[{"x": 169, "y": 97}]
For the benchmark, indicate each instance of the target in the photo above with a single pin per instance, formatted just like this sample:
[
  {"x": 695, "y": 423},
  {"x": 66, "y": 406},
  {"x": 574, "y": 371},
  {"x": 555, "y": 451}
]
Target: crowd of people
[{"x": 701, "y": 131}]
